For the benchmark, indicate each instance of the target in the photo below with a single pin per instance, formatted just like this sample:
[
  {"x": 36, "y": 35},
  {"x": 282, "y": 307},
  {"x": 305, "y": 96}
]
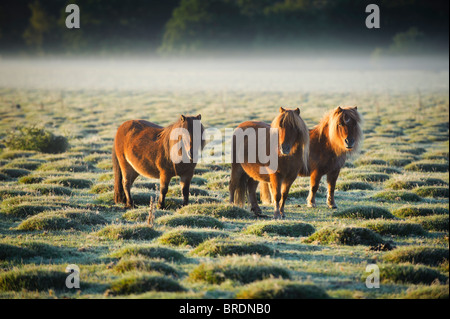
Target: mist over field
[{"x": 284, "y": 74}]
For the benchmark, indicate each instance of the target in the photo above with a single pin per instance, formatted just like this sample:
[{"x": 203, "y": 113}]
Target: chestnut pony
[
  {"x": 332, "y": 141},
  {"x": 144, "y": 148},
  {"x": 292, "y": 155}
]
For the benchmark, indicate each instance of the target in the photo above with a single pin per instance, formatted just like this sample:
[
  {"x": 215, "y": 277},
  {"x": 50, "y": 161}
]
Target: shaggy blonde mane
[{"x": 329, "y": 127}]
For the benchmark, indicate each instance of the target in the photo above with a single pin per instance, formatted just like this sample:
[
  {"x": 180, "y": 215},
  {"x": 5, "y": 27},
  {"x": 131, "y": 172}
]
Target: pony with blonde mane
[
  {"x": 292, "y": 155},
  {"x": 332, "y": 141}
]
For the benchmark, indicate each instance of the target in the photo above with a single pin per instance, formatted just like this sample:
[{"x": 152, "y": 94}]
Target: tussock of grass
[
  {"x": 431, "y": 292},
  {"x": 138, "y": 263},
  {"x": 180, "y": 237},
  {"x": 26, "y": 209},
  {"x": 14, "y": 172},
  {"x": 432, "y": 191},
  {"x": 214, "y": 210},
  {"x": 140, "y": 199},
  {"x": 13, "y": 252},
  {"x": 140, "y": 283},
  {"x": 395, "y": 228},
  {"x": 4, "y": 177},
  {"x": 65, "y": 165},
  {"x": 434, "y": 223},
  {"x": 140, "y": 215},
  {"x": 77, "y": 183},
  {"x": 36, "y": 139},
  {"x": 418, "y": 255},
  {"x": 281, "y": 228},
  {"x": 35, "y": 279},
  {"x": 50, "y": 189},
  {"x": 347, "y": 186},
  {"x": 281, "y": 289},
  {"x": 350, "y": 236},
  {"x": 219, "y": 247},
  {"x": 244, "y": 271},
  {"x": 369, "y": 161},
  {"x": 397, "y": 196},
  {"x": 193, "y": 191},
  {"x": 137, "y": 232},
  {"x": 405, "y": 184},
  {"x": 427, "y": 167},
  {"x": 364, "y": 212},
  {"x": 150, "y": 252},
  {"x": 102, "y": 188},
  {"x": 12, "y": 154},
  {"x": 409, "y": 274},
  {"x": 60, "y": 220},
  {"x": 30, "y": 179},
  {"x": 198, "y": 221},
  {"x": 11, "y": 193},
  {"x": 419, "y": 211},
  {"x": 24, "y": 164},
  {"x": 369, "y": 177}
]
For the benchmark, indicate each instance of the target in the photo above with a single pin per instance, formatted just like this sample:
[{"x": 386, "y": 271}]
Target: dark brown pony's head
[
  {"x": 292, "y": 133},
  {"x": 192, "y": 137},
  {"x": 345, "y": 134}
]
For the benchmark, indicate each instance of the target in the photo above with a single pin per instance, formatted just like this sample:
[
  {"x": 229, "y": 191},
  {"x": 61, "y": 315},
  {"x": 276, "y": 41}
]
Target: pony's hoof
[
  {"x": 311, "y": 205},
  {"x": 332, "y": 205}
]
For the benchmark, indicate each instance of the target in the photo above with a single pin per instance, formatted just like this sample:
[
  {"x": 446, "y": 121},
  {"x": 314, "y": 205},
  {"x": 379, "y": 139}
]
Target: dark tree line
[{"x": 189, "y": 26}]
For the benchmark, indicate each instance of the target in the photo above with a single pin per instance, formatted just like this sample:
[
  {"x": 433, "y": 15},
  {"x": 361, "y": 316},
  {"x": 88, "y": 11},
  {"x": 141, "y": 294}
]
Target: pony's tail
[
  {"x": 264, "y": 192},
  {"x": 239, "y": 188},
  {"x": 119, "y": 193}
]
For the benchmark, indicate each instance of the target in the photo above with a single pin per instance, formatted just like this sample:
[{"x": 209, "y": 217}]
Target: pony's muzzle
[
  {"x": 285, "y": 149},
  {"x": 349, "y": 143}
]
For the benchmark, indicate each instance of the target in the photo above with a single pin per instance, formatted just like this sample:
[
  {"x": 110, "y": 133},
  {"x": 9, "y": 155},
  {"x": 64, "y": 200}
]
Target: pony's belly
[
  {"x": 253, "y": 170},
  {"x": 144, "y": 169}
]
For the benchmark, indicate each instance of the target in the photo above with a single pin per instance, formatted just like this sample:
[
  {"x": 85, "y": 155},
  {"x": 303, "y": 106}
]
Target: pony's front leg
[
  {"x": 285, "y": 187},
  {"x": 185, "y": 183},
  {"x": 275, "y": 184},
  {"x": 164, "y": 181},
  {"x": 331, "y": 179},
  {"x": 315, "y": 181}
]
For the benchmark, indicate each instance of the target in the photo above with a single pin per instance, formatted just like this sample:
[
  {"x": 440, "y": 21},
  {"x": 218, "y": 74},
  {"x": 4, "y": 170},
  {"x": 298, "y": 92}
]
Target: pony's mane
[
  {"x": 290, "y": 119},
  {"x": 329, "y": 124},
  {"x": 164, "y": 136}
]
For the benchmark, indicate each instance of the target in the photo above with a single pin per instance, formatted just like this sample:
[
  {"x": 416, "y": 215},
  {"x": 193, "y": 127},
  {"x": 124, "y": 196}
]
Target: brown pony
[
  {"x": 292, "y": 155},
  {"x": 337, "y": 136},
  {"x": 144, "y": 148}
]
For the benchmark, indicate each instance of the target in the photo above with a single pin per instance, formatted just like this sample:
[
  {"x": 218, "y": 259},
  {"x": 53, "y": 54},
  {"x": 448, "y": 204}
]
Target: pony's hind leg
[
  {"x": 129, "y": 175},
  {"x": 252, "y": 185}
]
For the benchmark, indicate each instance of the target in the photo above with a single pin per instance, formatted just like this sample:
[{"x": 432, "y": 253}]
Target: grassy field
[{"x": 57, "y": 209}]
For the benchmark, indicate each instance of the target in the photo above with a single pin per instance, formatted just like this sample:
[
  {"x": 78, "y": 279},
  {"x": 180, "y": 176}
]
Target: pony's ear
[
  {"x": 182, "y": 118},
  {"x": 297, "y": 110},
  {"x": 339, "y": 109},
  {"x": 282, "y": 110},
  {"x": 355, "y": 108},
  {"x": 199, "y": 117}
]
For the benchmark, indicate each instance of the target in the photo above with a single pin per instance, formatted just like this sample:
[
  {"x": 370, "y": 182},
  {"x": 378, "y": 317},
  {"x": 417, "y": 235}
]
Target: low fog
[{"x": 308, "y": 74}]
